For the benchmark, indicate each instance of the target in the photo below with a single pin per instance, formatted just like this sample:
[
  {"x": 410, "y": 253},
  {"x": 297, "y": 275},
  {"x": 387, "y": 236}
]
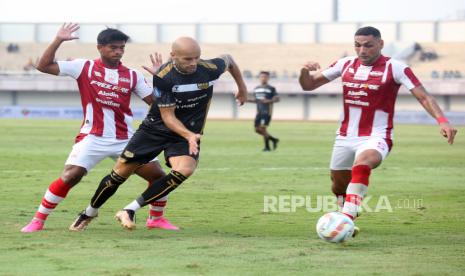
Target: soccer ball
[{"x": 335, "y": 227}]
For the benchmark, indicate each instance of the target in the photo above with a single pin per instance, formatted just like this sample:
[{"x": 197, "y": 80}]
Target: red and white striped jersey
[
  {"x": 105, "y": 96},
  {"x": 370, "y": 94}
]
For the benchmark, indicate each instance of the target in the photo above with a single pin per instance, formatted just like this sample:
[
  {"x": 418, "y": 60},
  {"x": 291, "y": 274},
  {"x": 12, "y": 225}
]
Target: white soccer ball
[{"x": 335, "y": 227}]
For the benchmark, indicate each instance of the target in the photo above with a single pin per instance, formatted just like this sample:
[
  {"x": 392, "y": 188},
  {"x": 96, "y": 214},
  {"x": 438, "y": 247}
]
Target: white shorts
[
  {"x": 92, "y": 149},
  {"x": 346, "y": 149}
]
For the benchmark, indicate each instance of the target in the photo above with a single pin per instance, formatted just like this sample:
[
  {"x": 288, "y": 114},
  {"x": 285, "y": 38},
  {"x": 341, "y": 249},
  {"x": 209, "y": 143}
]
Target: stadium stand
[{"x": 282, "y": 59}]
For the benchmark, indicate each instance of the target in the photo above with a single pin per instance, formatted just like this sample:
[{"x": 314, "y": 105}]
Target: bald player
[{"x": 183, "y": 88}]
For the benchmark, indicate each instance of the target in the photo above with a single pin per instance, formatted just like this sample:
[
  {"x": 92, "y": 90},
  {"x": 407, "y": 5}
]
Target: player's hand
[
  {"x": 311, "y": 66},
  {"x": 157, "y": 61},
  {"x": 193, "y": 141},
  {"x": 448, "y": 132},
  {"x": 66, "y": 31},
  {"x": 241, "y": 96}
]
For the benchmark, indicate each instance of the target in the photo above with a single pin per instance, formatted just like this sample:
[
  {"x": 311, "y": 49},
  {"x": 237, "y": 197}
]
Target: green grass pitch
[{"x": 220, "y": 208}]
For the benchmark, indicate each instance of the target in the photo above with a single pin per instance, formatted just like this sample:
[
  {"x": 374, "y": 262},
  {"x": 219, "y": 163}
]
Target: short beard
[{"x": 179, "y": 69}]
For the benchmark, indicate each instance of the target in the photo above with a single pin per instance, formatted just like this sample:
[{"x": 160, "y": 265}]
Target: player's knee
[
  {"x": 72, "y": 175},
  {"x": 186, "y": 171}
]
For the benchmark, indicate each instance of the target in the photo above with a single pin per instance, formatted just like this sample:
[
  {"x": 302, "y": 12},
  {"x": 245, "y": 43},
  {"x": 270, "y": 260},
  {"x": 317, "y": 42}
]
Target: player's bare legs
[
  {"x": 56, "y": 192},
  {"x": 340, "y": 180},
  {"x": 355, "y": 181},
  {"x": 262, "y": 130},
  {"x": 182, "y": 167},
  {"x": 106, "y": 189},
  {"x": 357, "y": 186},
  {"x": 72, "y": 174},
  {"x": 109, "y": 185},
  {"x": 151, "y": 172}
]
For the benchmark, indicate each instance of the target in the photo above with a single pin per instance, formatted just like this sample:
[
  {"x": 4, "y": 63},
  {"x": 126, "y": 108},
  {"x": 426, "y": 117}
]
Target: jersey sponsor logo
[
  {"x": 110, "y": 86},
  {"x": 197, "y": 98},
  {"x": 356, "y": 102},
  {"x": 108, "y": 94},
  {"x": 126, "y": 80},
  {"x": 183, "y": 106},
  {"x": 202, "y": 86},
  {"x": 357, "y": 93},
  {"x": 360, "y": 85},
  {"x": 192, "y": 87},
  {"x": 376, "y": 73},
  {"x": 107, "y": 102}
]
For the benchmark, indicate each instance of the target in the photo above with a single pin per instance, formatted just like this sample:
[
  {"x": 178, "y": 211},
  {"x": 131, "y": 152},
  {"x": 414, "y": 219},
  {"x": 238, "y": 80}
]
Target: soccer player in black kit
[
  {"x": 265, "y": 96},
  {"x": 183, "y": 88}
]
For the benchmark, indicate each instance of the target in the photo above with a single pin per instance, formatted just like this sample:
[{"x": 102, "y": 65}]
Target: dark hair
[
  {"x": 110, "y": 35},
  {"x": 265, "y": 73},
  {"x": 368, "y": 31}
]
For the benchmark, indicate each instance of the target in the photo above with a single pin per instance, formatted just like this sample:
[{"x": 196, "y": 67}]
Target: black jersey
[
  {"x": 262, "y": 92},
  {"x": 189, "y": 93}
]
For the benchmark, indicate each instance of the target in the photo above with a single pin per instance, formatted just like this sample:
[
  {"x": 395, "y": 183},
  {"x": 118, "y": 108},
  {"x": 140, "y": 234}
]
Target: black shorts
[
  {"x": 262, "y": 120},
  {"x": 144, "y": 146}
]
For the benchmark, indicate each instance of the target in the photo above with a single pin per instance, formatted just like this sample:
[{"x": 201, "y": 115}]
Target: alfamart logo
[{"x": 328, "y": 203}]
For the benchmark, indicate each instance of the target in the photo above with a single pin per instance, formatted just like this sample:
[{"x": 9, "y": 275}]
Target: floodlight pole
[{"x": 335, "y": 11}]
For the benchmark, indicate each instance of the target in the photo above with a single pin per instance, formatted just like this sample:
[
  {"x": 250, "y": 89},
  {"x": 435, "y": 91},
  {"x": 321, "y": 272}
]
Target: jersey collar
[{"x": 100, "y": 63}]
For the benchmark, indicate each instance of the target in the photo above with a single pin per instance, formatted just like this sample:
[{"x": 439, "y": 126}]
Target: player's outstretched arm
[
  {"x": 47, "y": 62},
  {"x": 233, "y": 69},
  {"x": 429, "y": 104},
  {"x": 275, "y": 99},
  {"x": 169, "y": 119},
  {"x": 157, "y": 61},
  {"x": 310, "y": 81}
]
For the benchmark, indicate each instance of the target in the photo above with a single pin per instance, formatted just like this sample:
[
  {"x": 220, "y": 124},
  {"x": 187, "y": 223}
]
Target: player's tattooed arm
[{"x": 233, "y": 68}]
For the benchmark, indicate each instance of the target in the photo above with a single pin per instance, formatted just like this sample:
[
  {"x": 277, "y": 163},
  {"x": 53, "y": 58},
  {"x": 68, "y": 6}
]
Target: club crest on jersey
[
  {"x": 126, "y": 80},
  {"x": 97, "y": 74},
  {"x": 204, "y": 85},
  {"x": 128, "y": 154}
]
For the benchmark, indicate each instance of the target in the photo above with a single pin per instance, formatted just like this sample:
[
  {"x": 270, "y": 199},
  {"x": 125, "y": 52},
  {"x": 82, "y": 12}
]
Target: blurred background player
[
  {"x": 265, "y": 96},
  {"x": 370, "y": 82},
  {"x": 184, "y": 88},
  {"x": 106, "y": 87}
]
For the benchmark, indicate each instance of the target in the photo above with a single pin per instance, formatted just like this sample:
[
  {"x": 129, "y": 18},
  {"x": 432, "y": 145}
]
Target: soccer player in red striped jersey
[
  {"x": 105, "y": 86},
  {"x": 370, "y": 82}
]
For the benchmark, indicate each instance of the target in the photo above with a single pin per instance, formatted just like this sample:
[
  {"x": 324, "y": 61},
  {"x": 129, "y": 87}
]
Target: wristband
[{"x": 442, "y": 120}]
